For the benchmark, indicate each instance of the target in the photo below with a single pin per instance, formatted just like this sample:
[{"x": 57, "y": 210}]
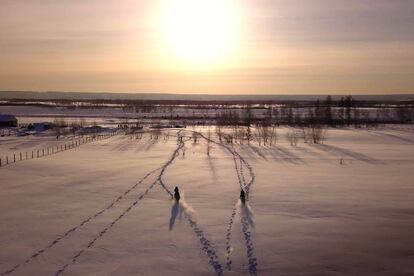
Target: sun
[{"x": 200, "y": 31}]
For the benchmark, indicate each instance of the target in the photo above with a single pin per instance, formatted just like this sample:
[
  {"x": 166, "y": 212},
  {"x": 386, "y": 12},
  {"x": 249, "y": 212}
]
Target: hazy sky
[{"x": 240, "y": 47}]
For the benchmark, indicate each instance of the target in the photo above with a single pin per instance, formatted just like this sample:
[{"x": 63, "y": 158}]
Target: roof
[{"x": 7, "y": 118}]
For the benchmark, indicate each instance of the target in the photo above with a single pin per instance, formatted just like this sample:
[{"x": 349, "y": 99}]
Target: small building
[
  {"x": 40, "y": 127},
  {"x": 8, "y": 120},
  {"x": 92, "y": 129}
]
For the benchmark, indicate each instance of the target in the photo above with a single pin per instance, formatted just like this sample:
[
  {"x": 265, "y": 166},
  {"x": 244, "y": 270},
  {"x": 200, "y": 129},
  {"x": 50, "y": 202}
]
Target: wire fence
[{"x": 39, "y": 153}]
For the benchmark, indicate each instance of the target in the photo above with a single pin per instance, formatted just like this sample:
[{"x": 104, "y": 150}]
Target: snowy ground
[
  {"x": 10, "y": 145},
  {"x": 91, "y": 211}
]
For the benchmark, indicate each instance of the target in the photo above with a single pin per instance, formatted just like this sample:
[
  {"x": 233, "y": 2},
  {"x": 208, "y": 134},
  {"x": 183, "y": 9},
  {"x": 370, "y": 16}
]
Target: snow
[
  {"x": 10, "y": 145},
  {"x": 341, "y": 208}
]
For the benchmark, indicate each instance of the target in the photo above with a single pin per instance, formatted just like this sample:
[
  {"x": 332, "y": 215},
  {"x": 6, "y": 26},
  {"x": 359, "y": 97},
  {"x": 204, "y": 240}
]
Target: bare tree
[
  {"x": 157, "y": 133},
  {"x": 273, "y": 135},
  {"x": 306, "y": 134},
  {"x": 249, "y": 134},
  {"x": 195, "y": 137},
  {"x": 219, "y": 133},
  {"x": 318, "y": 133},
  {"x": 208, "y": 141},
  {"x": 328, "y": 111},
  {"x": 258, "y": 135},
  {"x": 166, "y": 135},
  {"x": 293, "y": 135}
]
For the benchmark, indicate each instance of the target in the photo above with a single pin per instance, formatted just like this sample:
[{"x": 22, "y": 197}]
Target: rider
[
  {"x": 242, "y": 196},
  {"x": 176, "y": 193}
]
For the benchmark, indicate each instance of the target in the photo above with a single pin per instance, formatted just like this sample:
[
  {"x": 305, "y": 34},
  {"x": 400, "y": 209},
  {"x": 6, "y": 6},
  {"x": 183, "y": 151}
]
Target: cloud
[{"x": 293, "y": 46}]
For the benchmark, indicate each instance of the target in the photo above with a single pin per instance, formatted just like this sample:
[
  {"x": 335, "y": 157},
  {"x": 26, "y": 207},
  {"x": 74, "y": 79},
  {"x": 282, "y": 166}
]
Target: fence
[{"x": 39, "y": 153}]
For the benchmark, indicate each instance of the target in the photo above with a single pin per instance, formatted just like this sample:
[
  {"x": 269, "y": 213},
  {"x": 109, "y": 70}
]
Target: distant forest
[{"x": 329, "y": 111}]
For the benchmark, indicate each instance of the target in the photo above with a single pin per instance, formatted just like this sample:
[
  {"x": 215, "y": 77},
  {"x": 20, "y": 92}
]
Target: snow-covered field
[
  {"x": 341, "y": 208},
  {"x": 10, "y": 145}
]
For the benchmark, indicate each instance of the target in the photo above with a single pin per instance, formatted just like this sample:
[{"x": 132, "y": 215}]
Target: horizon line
[{"x": 212, "y": 94}]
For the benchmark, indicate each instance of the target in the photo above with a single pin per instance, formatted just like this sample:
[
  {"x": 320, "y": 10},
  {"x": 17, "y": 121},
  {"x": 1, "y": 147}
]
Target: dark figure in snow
[
  {"x": 242, "y": 196},
  {"x": 176, "y": 194}
]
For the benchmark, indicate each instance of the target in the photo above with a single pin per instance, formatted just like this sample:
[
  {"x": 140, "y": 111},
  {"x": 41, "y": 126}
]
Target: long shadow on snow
[
  {"x": 247, "y": 222},
  {"x": 151, "y": 143},
  {"x": 213, "y": 169},
  {"x": 349, "y": 153},
  {"x": 277, "y": 153},
  {"x": 73, "y": 229},
  {"x": 258, "y": 152},
  {"x": 246, "y": 215},
  {"x": 393, "y": 136},
  {"x": 175, "y": 209},
  {"x": 182, "y": 207},
  {"x": 104, "y": 231},
  {"x": 206, "y": 245},
  {"x": 178, "y": 209},
  {"x": 286, "y": 155},
  {"x": 127, "y": 143}
]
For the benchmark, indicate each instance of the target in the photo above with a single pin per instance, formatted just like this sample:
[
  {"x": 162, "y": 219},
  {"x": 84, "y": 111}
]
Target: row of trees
[
  {"x": 62, "y": 127},
  {"x": 268, "y": 136},
  {"x": 344, "y": 112}
]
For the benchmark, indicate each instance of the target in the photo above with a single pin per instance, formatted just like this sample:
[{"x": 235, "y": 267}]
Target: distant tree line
[{"x": 345, "y": 111}]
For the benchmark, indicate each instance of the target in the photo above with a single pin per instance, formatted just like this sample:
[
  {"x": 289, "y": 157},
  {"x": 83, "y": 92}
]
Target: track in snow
[
  {"x": 206, "y": 246},
  {"x": 245, "y": 222},
  {"x": 89, "y": 219},
  {"x": 105, "y": 230}
]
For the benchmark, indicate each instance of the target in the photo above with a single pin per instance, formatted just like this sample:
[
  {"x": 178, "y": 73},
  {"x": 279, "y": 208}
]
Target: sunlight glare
[{"x": 200, "y": 31}]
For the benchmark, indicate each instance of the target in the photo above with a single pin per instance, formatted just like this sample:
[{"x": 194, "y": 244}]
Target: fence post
[
  {"x": 14, "y": 157},
  {"x": 20, "y": 156},
  {"x": 7, "y": 160},
  {"x": 0, "y": 161}
]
